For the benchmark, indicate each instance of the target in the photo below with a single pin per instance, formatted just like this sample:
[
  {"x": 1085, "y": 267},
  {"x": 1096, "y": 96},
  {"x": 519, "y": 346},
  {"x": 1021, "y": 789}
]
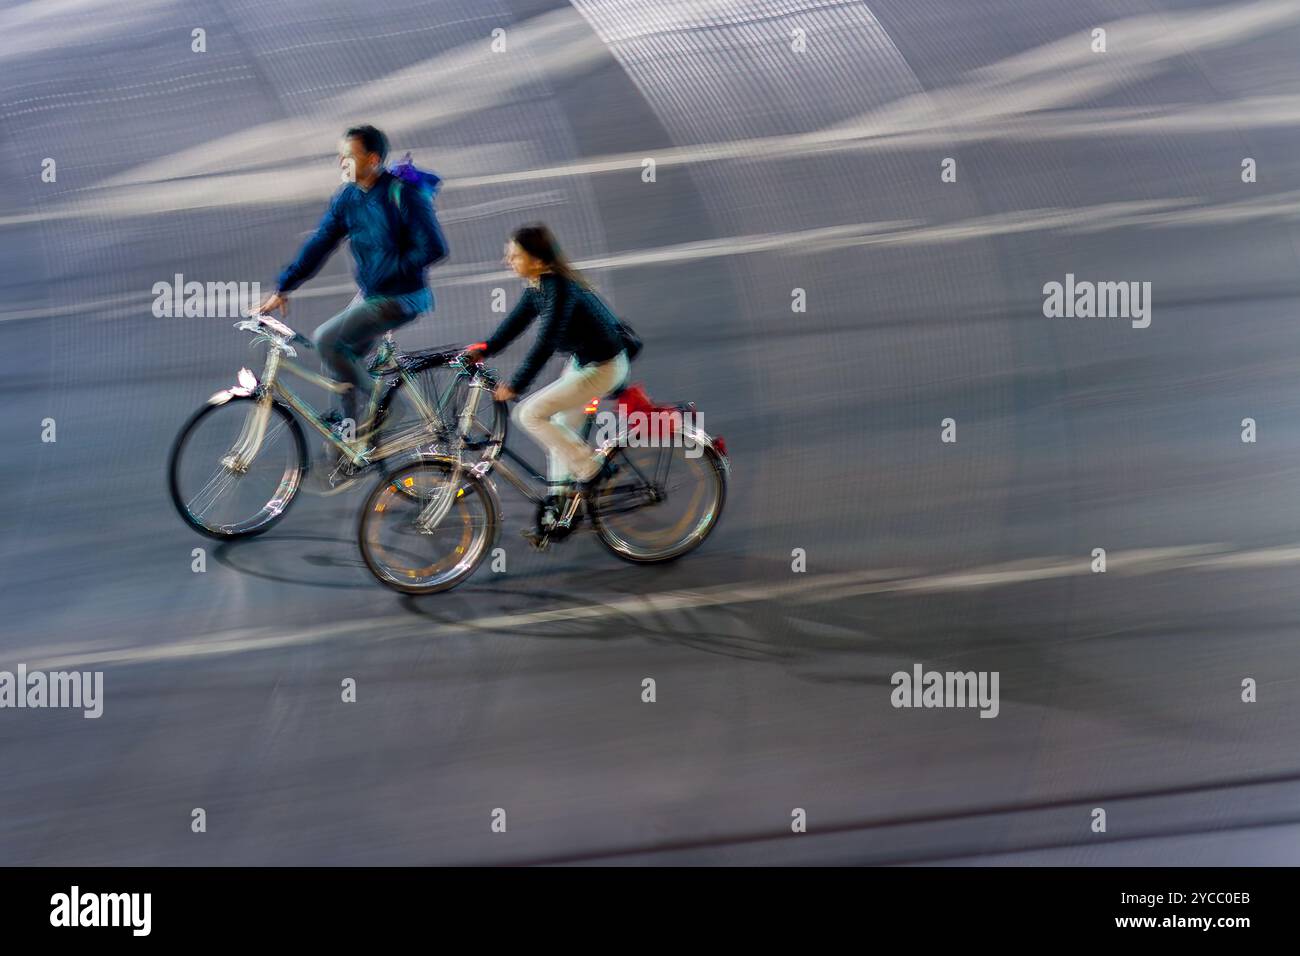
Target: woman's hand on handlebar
[{"x": 473, "y": 356}]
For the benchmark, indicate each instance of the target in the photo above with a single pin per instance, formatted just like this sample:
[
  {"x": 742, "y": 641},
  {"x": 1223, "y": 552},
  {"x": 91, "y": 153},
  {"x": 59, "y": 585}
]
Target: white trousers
[{"x": 553, "y": 414}]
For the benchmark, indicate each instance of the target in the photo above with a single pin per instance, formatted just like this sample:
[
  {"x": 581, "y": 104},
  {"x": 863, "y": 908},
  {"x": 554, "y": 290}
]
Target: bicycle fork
[{"x": 249, "y": 442}]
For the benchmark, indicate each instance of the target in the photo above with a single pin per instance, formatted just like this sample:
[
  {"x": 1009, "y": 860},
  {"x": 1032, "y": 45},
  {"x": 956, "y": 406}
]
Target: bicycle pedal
[
  {"x": 339, "y": 488},
  {"x": 539, "y": 541}
]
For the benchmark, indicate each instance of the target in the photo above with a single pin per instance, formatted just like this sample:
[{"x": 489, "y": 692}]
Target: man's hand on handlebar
[{"x": 273, "y": 303}]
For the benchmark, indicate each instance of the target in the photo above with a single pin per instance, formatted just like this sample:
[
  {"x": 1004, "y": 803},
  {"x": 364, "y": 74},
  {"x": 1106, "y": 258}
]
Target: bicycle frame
[
  {"x": 530, "y": 483},
  {"x": 358, "y": 451}
]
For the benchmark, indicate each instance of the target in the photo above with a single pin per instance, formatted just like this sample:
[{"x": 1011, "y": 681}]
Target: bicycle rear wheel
[
  {"x": 421, "y": 533},
  {"x": 660, "y": 504},
  {"x": 432, "y": 386},
  {"x": 216, "y": 488}
]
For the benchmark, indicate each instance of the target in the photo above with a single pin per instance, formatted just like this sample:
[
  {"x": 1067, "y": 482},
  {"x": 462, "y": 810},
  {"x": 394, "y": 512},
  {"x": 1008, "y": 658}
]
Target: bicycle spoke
[
  {"x": 645, "y": 520},
  {"x": 249, "y": 490},
  {"x": 421, "y": 532},
  {"x": 222, "y": 480}
]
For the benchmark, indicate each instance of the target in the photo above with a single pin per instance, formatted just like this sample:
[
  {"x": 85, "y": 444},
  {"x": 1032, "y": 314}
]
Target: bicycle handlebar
[
  {"x": 275, "y": 330},
  {"x": 476, "y": 368}
]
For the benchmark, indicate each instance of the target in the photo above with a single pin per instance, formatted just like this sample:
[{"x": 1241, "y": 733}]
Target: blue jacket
[{"x": 392, "y": 242}]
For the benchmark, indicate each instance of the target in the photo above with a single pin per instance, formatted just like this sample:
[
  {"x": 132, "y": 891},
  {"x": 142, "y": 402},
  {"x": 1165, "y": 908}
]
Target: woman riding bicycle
[{"x": 574, "y": 321}]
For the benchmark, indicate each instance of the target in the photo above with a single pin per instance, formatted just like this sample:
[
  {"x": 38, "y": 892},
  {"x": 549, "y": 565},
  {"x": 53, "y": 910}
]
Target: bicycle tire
[
  {"x": 401, "y": 486},
  {"x": 605, "y": 493},
  {"x": 271, "y": 513}
]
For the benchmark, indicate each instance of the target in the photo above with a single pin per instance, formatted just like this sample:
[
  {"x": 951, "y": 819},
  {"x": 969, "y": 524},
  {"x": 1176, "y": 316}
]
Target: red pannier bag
[
  {"x": 664, "y": 420},
  {"x": 634, "y": 399}
]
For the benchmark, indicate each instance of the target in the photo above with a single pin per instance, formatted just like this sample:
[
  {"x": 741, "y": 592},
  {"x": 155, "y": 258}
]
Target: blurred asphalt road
[{"x": 775, "y": 170}]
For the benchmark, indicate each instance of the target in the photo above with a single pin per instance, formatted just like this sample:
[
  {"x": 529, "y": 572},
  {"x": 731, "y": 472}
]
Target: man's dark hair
[{"x": 372, "y": 140}]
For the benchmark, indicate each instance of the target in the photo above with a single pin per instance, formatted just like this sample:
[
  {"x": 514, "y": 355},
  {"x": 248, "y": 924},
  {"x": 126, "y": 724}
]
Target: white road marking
[
  {"x": 801, "y": 589},
  {"x": 1165, "y": 213},
  {"x": 1030, "y": 95}
]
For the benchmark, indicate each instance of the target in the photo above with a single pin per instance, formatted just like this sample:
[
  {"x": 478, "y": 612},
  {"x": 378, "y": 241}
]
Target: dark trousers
[{"x": 345, "y": 341}]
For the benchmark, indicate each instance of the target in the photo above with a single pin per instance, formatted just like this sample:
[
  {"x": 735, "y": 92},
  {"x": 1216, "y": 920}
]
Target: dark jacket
[
  {"x": 574, "y": 321},
  {"x": 392, "y": 243}
]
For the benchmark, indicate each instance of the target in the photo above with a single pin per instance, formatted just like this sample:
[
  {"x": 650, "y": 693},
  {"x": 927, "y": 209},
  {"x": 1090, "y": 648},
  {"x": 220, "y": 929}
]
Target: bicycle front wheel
[
  {"x": 660, "y": 503},
  {"x": 219, "y": 486},
  {"x": 427, "y": 526}
]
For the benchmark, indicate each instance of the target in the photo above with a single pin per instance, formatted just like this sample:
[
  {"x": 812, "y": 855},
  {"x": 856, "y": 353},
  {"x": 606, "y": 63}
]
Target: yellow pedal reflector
[{"x": 409, "y": 481}]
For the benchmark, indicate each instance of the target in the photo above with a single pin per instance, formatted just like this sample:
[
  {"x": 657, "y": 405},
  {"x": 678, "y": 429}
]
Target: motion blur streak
[{"x": 799, "y": 155}]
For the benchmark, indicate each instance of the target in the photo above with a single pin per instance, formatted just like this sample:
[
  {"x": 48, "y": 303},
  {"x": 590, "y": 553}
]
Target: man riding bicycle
[{"x": 394, "y": 236}]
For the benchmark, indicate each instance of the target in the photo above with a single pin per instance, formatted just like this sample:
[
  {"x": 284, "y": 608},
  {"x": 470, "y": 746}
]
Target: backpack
[
  {"x": 426, "y": 184},
  {"x": 632, "y": 343}
]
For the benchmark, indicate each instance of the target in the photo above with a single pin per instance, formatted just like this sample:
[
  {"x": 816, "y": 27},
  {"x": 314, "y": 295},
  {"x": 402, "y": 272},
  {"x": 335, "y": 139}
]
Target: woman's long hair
[{"x": 538, "y": 241}]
